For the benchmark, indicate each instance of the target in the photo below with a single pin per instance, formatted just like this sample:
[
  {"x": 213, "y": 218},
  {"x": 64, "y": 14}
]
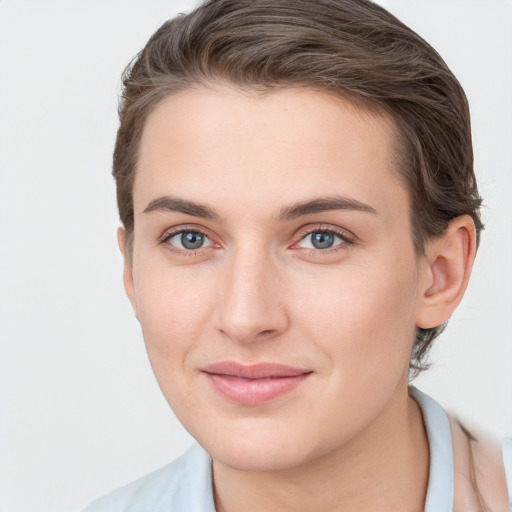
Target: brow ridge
[
  {"x": 293, "y": 211},
  {"x": 323, "y": 204},
  {"x": 175, "y": 204}
]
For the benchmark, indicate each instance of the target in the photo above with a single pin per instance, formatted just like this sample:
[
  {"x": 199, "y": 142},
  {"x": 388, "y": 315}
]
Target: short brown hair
[{"x": 351, "y": 48}]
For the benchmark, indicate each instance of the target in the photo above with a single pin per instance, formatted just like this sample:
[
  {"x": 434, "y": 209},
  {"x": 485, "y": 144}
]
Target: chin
[
  {"x": 252, "y": 458},
  {"x": 258, "y": 447}
]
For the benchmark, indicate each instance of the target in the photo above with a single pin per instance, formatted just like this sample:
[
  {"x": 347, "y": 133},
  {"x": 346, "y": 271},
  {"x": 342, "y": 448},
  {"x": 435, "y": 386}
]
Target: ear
[
  {"x": 449, "y": 260},
  {"x": 127, "y": 269}
]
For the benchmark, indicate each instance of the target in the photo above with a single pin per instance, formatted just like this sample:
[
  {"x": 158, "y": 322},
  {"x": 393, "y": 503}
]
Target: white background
[{"x": 80, "y": 412}]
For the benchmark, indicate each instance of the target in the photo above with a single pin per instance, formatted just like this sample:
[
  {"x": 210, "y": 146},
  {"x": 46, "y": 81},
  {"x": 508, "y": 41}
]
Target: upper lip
[{"x": 253, "y": 371}]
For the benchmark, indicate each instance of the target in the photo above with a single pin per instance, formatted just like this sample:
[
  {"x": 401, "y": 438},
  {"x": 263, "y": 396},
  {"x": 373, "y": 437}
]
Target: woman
[{"x": 300, "y": 218}]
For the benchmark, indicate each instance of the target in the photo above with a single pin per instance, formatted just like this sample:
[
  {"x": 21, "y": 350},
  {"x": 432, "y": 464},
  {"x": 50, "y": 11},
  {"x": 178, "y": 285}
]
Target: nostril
[{"x": 266, "y": 332}]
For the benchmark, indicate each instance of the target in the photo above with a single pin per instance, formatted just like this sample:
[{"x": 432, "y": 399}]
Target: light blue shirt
[{"x": 185, "y": 485}]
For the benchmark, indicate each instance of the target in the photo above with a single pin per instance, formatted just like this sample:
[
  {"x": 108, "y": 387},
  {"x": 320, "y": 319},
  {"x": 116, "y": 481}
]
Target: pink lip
[{"x": 253, "y": 384}]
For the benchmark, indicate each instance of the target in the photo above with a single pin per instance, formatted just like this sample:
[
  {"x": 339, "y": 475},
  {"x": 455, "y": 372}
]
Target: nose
[{"x": 251, "y": 307}]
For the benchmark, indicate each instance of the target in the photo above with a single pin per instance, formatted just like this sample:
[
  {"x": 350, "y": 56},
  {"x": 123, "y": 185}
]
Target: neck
[{"x": 383, "y": 468}]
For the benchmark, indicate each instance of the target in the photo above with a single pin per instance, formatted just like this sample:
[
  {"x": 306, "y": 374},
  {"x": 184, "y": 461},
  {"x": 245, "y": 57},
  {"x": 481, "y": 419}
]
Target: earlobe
[
  {"x": 127, "y": 269},
  {"x": 450, "y": 260}
]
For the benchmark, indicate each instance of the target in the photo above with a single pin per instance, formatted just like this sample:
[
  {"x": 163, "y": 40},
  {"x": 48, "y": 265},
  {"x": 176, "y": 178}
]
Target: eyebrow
[
  {"x": 323, "y": 204},
  {"x": 174, "y": 204},
  {"x": 293, "y": 211}
]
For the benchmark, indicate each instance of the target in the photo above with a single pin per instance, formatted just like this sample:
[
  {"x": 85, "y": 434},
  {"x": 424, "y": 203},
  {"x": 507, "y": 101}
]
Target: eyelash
[
  {"x": 348, "y": 240},
  {"x": 168, "y": 235}
]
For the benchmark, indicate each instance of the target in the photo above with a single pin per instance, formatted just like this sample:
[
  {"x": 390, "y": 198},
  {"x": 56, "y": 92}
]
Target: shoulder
[
  {"x": 184, "y": 482},
  {"x": 469, "y": 470},
  {"x": 482, "y": 480}
]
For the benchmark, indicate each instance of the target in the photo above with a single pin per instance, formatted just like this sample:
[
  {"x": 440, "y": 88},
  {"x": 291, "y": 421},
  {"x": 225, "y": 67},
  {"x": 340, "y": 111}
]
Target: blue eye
[
  {"x": 321, "y": 240},
  {"x": 189, "y": 240}
]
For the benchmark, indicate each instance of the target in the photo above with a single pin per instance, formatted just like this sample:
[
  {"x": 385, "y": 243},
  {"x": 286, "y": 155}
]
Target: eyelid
[
  {"x": 349, "y": 239},
  {"x": 347, "y": 236},
  {"x": 176, "y": 230},
  {"x": 343, "y": 233}
]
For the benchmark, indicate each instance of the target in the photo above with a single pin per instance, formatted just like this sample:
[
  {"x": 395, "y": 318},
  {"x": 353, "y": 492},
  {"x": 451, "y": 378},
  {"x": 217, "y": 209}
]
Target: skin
[{"x": 259, "y": 291}]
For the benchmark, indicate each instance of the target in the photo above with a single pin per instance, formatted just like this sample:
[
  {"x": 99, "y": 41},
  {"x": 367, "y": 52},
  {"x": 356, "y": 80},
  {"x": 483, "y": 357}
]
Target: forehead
[{"x": 227, "y": 146}]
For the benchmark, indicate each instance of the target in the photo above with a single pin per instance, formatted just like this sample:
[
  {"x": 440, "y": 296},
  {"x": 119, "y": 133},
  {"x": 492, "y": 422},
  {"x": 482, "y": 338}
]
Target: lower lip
[{"x": 254, "y": 391}]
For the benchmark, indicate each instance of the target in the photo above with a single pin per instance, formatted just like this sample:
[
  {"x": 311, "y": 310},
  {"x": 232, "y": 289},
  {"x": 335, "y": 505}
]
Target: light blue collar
[{"x": 440, "y": 482}]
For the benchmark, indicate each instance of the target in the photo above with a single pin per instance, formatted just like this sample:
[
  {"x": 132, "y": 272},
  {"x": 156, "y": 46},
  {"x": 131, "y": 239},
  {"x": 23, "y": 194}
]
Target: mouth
[{"x": 253, "y": 384}]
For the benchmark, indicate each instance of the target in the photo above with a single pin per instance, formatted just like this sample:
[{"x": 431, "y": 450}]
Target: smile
[{"x": 253, "y": 384}]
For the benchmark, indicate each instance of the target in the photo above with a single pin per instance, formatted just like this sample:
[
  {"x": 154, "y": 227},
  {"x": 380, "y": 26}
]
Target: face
[{"x": 273, "y": 271}]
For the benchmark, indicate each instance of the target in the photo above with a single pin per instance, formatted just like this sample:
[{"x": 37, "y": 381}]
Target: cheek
[
  {"x": 173, "y": 311},
  {"x": 365, "y": 319},
  {"x": 363, "y": 325},
  {"x": 172, "y": 314}
]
